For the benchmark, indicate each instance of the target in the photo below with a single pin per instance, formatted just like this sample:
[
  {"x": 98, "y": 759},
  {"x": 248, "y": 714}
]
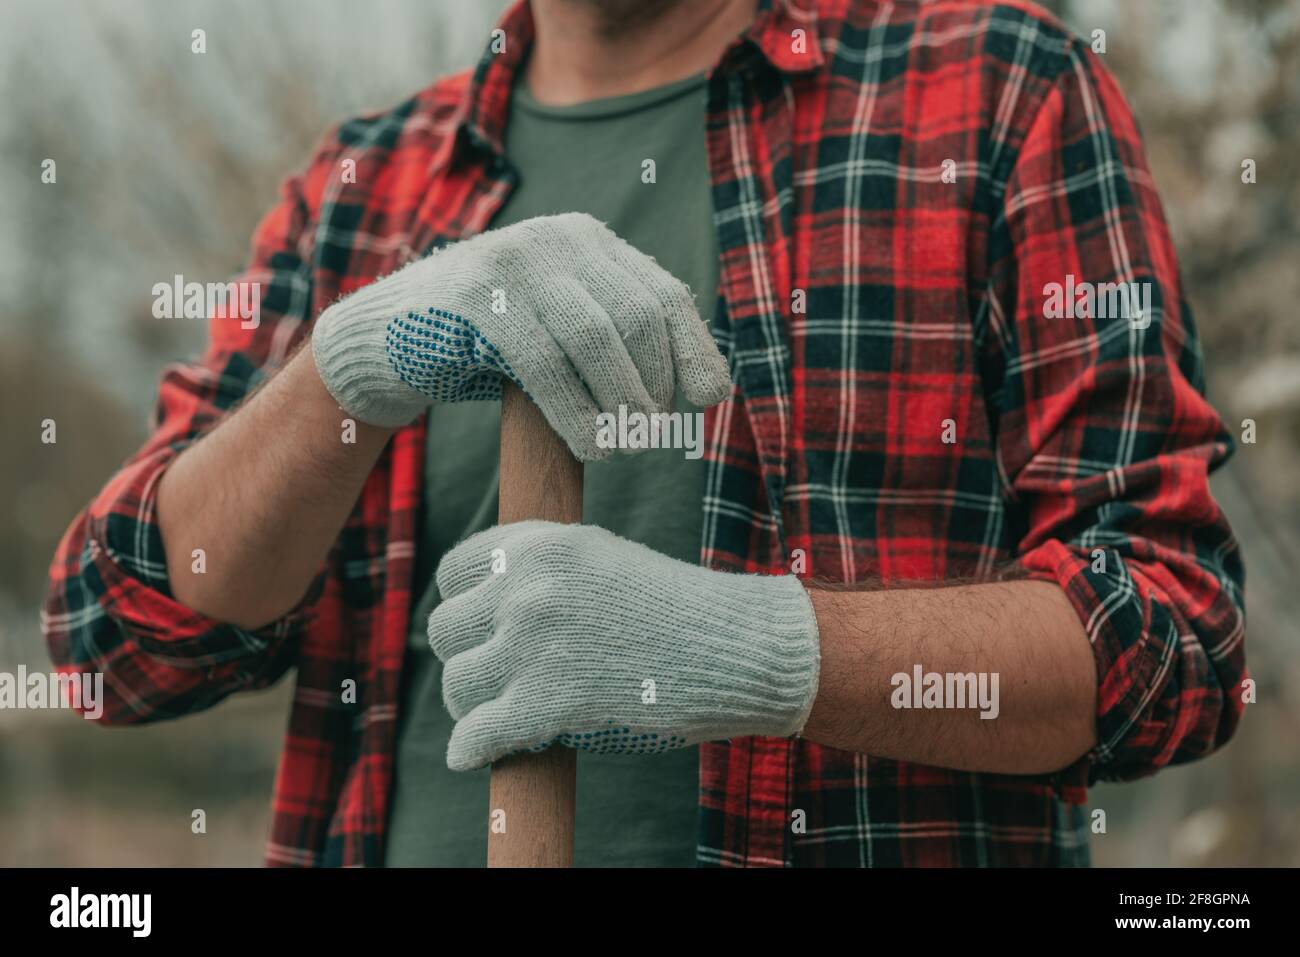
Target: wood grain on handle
[{"x": 541, "y": 479}]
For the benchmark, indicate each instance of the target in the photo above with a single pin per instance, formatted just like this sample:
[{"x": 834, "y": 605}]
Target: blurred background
[{"x": 166, "y": 160}]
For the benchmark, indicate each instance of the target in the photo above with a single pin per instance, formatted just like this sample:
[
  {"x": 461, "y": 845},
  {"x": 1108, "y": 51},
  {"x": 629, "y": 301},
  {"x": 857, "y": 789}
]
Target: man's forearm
[
  {"x": 1024, "y": 631},
  {"x": 264, "y": 495}
]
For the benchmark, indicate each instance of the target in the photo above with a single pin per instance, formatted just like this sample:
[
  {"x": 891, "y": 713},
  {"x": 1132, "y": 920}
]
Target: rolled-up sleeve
[
  {"x": 1104, "y": 436},
  {"x": 109, "y": 606}
]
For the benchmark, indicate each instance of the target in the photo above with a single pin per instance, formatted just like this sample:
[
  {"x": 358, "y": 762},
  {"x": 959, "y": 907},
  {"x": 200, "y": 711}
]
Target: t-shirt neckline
[{"x": 605, "y": 107}]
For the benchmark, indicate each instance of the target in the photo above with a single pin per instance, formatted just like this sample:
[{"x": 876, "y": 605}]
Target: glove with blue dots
[
  {"x": 574, "y": 315},
  {"x": 569, "y": 634}
]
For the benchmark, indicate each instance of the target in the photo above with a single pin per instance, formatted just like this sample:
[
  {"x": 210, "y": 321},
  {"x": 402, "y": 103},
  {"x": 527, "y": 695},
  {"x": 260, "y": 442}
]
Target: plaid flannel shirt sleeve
[
  {"x": 1105, "y": 438},
  {"x": 109, "y": 607}
]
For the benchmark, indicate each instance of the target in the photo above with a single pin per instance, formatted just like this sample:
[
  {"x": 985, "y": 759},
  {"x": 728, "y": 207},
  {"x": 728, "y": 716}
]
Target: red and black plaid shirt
[{"x": 872, "y": 308}]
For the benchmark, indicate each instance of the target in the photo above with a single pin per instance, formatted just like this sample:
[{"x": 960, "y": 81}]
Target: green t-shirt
[{"x": 631, "y": 809}]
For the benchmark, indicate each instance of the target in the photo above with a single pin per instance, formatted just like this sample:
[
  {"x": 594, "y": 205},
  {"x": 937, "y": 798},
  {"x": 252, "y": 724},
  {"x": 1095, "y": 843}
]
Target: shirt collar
[
  {"x": 785, "y": 33},
  {"x": 774, "y": 34}
]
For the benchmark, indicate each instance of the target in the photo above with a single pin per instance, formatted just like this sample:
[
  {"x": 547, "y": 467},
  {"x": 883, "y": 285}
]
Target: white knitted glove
[
  {"x": 599, "y": 643},
  {"x": 573, "y": 314}
]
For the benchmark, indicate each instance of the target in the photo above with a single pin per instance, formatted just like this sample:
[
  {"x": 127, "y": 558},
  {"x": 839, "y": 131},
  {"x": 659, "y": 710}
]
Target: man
[{"x": 884, "y": 197}]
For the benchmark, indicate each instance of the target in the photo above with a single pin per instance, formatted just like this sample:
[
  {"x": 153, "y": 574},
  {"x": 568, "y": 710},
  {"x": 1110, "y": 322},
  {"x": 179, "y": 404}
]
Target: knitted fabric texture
[
  {"x": 595, "y": 642},
  {"x": 577, "y": 317}
]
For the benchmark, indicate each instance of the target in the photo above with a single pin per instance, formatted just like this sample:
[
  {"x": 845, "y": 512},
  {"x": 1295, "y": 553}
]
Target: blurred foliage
[{"x": 166, "y": 159}]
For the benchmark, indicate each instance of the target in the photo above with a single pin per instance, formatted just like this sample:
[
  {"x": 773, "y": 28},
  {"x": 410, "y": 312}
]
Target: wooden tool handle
[{"x": 540, "y": 478}]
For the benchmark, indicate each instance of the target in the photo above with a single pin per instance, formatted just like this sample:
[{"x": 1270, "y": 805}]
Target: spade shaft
[{"x": 532, "y": 795}]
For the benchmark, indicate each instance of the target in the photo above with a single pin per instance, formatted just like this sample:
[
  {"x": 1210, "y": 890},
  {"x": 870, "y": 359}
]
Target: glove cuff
[
  {"x": 770, "y": 654},
  {"x": 348, "y": 344}
]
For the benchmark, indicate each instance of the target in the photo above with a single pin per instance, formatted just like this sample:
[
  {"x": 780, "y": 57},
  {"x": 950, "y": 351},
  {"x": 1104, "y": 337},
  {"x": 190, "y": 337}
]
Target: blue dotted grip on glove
[
  {"x": 615, "y": 741},
  {"x": 445, "y": 356}
]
